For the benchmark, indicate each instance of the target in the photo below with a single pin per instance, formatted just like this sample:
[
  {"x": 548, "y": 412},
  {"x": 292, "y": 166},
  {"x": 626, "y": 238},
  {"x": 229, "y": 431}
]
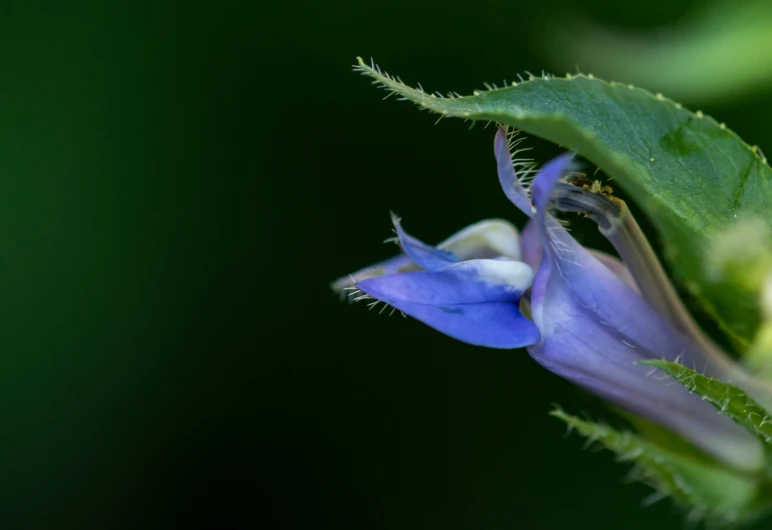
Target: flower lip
[
  {"x": 473, "y": 300},
  {"x": 467, "y": 282}
]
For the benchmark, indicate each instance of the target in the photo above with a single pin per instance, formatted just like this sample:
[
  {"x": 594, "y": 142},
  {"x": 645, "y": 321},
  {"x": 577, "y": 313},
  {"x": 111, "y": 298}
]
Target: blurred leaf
[
  {"x": 742, "y": 252},
  {"x": 693, "y": 176},
  {"x": 742, "y": 255},
  {"x": 706, "y": 490},
  {"x": 759, "y": 355},
  {"x": 726, "y": 397},
  {"x": 722, "y": 51},
  {"x": 664, "y": 438}
]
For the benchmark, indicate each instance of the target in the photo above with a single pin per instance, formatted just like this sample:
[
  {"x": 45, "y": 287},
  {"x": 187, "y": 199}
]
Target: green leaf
[
  {"x": 726, "y": 397},
  {"x": 705, "y": 489},
  {"x": 692, "y": 175}
]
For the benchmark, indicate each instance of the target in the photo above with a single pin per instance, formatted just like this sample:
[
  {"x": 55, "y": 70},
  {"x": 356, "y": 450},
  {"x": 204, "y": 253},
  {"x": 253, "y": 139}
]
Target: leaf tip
[{"x": 659, "y": 363}]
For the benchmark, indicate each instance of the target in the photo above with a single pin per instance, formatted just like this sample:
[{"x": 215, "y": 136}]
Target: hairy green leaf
[
  {"x": 692, "y": 175},
  {"x": 726, "y": 397},
  {"x": 705, "y": 489}
]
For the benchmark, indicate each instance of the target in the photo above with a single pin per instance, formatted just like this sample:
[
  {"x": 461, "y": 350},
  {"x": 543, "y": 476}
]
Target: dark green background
[{"x": 179, "y": 182}]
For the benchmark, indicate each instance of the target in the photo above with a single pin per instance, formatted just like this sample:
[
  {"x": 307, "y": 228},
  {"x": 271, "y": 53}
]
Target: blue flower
[{"x": 591, "y": 316}]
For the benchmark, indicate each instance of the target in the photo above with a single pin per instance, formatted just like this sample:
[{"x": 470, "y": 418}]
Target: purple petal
[
  {"x": 594, "y": 357},
  {"x": 531, "y": 245},
  {"x": 491, "y": 238},
  {"x": 419, "y": 252},
  {"x": 474, "y": 301},
  {"x": 492, "y": 324},
  {"x": 616, "y": 266},
  {"x": 508, "y": 176},
  {"x": 468, "y": 282},
  {"x": 400, "y": 263},
  {"x": 545, "y": 181}
]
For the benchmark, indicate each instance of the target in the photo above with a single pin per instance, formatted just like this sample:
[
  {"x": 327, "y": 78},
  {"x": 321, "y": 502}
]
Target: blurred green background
[{"x": 179, "y": 182}]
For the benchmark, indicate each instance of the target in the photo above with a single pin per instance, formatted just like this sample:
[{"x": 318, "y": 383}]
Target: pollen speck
[
  {"x": 698, "y": 114},
  {"x": 678, "y": 105},
  {"x": 569, "y": 76},
  {"x": 660, "y": 96},
  {"x": 651, "y": 159},
  {"x": 722, "y": 125},
  {"x": 590, "y": 76},
  {"x": 514, "y": 83},
  {"x": 630, "y": 87}
]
